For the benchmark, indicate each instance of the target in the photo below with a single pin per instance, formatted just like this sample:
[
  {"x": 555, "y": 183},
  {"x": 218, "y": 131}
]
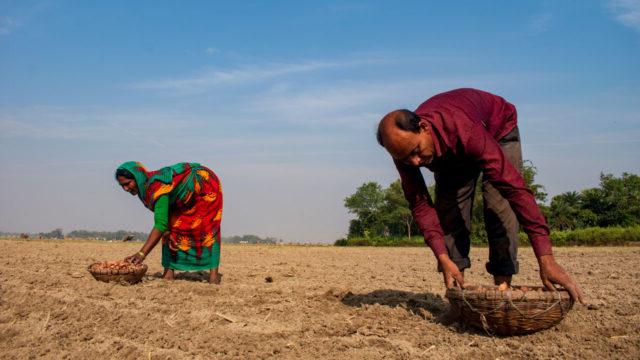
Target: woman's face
[{"x": 128, "y": 185}]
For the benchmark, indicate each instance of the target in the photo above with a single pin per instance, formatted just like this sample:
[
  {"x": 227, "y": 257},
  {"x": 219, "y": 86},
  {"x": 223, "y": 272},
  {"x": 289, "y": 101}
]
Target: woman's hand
[
  {"x": 136, "y": 258},
  {"x": 152, "y": 240},
  {"x": 552, "y": 273}
]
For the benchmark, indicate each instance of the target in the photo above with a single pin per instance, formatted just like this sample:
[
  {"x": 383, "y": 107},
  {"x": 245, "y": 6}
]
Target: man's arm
[
  {"x": 503, "y": 175},
  {"x": 424, "y": 214},
  {"x": 508, "y": 181},
  {"x": 415, "y": 191}
]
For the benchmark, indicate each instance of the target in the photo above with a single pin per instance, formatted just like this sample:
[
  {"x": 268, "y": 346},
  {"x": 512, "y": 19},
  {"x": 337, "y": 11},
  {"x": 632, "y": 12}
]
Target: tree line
[
  {"x": 384, "y": 212},
  {"x": 125, "y": 235},
  {"x": 58, "y": 233},
  {"x": 250, "y": 239}
]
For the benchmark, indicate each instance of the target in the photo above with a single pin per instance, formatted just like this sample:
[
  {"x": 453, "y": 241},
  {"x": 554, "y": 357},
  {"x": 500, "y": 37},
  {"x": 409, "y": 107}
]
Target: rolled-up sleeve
[
  {"x": 421, "y": 205},
  {"x": 499, "y": 171}
]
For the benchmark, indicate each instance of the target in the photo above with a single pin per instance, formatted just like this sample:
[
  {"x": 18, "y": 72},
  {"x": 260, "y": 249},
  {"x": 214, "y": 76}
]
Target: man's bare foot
[
  {"x": 215, "y": 277},
  {"x": 503, "y": 281},
  {"x": 168, "y": 274}
]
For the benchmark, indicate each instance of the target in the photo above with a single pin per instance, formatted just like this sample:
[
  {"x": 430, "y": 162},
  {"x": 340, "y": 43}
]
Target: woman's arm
[{"x": 161, "y": 220}]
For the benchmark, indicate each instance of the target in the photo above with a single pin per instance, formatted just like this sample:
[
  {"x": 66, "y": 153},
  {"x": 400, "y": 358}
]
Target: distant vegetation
[
  {"x": 83, "y": 234},
  {"x": 130, "y": 236},
  {"x": 250, "y": 239},
  {"x": 605, "y": 215},
  {"x": 108, "y": 235},
  {"x": 594, "y": 236}
]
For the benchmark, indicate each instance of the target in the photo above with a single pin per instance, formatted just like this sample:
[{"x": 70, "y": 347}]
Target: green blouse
[{"x": 161, "y": 213}]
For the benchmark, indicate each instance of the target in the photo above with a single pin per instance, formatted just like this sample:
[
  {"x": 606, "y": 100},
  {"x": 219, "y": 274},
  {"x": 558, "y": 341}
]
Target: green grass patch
[{"x": 595, "y": 236}]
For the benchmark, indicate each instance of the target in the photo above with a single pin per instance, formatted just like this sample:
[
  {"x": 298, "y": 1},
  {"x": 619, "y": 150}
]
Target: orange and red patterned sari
[{"x": 195, "y": 212}]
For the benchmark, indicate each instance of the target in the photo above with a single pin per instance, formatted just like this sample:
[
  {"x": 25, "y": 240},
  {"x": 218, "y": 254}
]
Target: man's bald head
[
  {"x": 396, "y": 120},
  {"x": 406, "y": 138}
]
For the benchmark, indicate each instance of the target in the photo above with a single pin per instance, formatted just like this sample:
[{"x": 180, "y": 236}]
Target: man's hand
[
  {"x": 552, "y": 273},
  {"x": 136, "y": 258},
  {"x": 452, "y": 275}
]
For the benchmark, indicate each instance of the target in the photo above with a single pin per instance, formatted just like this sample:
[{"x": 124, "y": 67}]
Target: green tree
[
  {"x": 396, "y": 212},
  {"x": 107, "y": 235},
  {"x": 53, "y": 234},
  {"x": 616, "y": 202},
  {"x": 566, "y": 212},
  {"x": 383, "y": 212},
  {"x": 366, "y": 203},
  {"x": 529, "y": 172}
]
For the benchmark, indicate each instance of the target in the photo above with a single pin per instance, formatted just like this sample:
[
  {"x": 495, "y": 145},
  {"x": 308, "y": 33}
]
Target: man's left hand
[{"x": 552, "y": 273}]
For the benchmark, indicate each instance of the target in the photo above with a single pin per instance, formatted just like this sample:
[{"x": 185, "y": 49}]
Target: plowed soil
[{"x": 294, "y": 302}]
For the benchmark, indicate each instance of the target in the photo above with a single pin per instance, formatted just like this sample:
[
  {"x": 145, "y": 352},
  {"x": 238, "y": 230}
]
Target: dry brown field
[{"x": 323, "y": 303}]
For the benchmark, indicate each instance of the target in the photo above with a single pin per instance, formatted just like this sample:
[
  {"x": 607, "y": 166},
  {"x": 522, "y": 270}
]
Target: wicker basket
[
  {"x": 515, "y": 311},
  {"x": 131, "y": 274}
]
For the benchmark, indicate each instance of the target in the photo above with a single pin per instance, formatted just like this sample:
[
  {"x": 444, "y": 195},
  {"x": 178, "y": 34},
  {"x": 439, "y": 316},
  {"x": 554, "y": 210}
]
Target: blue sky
[{"x": 281, "y": 99}]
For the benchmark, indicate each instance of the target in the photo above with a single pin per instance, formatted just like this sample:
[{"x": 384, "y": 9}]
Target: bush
[
  {"x": 341, "y": 242},
  {"x": 382, "y": 241},
  {"x": 594, "y": 236}
]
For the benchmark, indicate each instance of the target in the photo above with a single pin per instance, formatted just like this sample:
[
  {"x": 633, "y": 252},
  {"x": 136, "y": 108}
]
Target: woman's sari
[{"x": 195, "y": 212}]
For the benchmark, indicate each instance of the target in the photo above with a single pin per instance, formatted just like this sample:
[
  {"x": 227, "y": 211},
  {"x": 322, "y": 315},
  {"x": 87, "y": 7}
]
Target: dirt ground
[{"x": 322, "y": 302}]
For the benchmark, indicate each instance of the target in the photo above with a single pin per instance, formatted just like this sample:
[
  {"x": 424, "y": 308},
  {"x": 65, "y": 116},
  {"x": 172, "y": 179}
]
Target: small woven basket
[
  {"x": 516, "y": 311},
  {"x": 131, "y": 274}
]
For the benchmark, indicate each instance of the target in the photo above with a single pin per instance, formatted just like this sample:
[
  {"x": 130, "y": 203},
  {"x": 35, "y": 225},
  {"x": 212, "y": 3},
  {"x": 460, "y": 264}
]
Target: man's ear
[{"x": 424, "y": 127}]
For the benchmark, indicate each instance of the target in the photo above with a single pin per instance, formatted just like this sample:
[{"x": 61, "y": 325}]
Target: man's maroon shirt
[{"x": 466, "y": 125}]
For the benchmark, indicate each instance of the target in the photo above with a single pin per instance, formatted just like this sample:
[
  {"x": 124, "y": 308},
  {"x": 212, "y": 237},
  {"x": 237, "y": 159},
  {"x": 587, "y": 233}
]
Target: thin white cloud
[
  {"x": 22, "y": 15},
  {"x": 348, "y": 8},
  {"x": 213, "y": 78},
  {"x": 11, "y": 128},
  {"x": 251, "y": 73},
  {"x": 361, "y": 103},
  {"x": 137, "y": 135},
  {"x": 541, "y": 22},
  {"x": 88, "y": 124},
  {"x": 211, "y": 51},
  {"x": 304, "y": 105},
  {"x": 7, "y": 24},
  {"x": 586, "y": 142},
  {"x": 626, "y": 12}
]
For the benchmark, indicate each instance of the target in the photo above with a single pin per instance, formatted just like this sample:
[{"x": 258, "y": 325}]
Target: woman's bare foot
[
  {"x": 214, "y": 277},
  {"x": 168, "y": 274}
]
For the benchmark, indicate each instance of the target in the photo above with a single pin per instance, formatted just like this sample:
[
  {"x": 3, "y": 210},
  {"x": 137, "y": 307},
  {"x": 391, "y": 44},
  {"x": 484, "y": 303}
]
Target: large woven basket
[
  {"x": 108, "y": 272},
  {"x": 516, "y": 311}
]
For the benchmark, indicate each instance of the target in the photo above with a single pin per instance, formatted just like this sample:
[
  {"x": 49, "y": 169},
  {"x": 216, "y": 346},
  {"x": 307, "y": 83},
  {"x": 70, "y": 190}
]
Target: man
[{"x": 459, "y": 135}]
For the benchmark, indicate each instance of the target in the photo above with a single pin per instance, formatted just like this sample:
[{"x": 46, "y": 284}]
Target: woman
[{"x": 186, "y": 199}]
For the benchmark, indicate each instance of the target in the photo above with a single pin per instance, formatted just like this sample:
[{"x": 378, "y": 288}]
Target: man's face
[
  {"x": 415, "y": 149},
  {"x": 128, "y": 185}
]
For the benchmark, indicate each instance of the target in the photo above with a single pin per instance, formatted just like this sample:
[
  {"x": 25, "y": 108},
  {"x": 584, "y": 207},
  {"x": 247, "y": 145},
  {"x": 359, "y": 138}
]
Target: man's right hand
[{"x": 453, "y": 277}]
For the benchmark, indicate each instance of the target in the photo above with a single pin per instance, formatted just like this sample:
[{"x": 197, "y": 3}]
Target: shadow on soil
[
  {"x": 196, "y": 276},
  {"x": 427, "y": 305}
]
